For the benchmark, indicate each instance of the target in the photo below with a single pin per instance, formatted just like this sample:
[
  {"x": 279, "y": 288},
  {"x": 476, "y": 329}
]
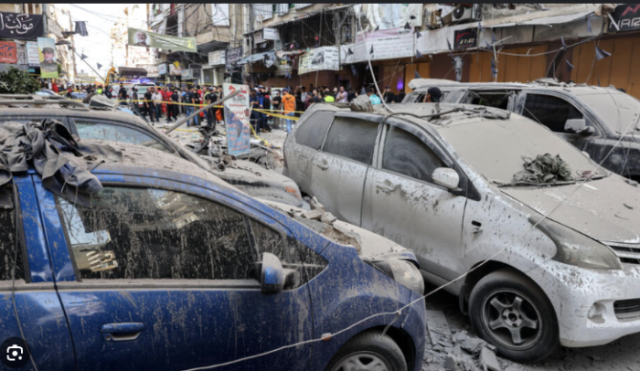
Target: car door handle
[
  {"x": 127, "y": 331},
  {"x": 322, "y": 164},
  {"x": 386, "y": 186}
]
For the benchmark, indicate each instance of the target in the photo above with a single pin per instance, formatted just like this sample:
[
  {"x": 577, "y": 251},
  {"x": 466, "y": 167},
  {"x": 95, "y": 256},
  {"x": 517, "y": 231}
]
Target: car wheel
[
  {"x": 511, "y": 312},
  {"x": 370, "y": 351}
]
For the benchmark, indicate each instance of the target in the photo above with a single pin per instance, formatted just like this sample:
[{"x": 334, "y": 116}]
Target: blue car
[{"x": 170, "y": 268}]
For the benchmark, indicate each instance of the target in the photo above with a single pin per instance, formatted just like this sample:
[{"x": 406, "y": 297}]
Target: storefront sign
[
  {"x": 162, "y": 69},
  {"x": 232, "y": 56},
  {"x": 464, "y": 39},
  {"x": 319, "y": 59},
  {"x": 187, "y": 74},
  {"x": 270, "y": 34},
  {"x": 20, "y": 26},
  {"x": 33, "y": 59},
  {"x": 626, "y": 17},
  {"x": 152, "y": 69},
  {"x": 8, "y": 52},
  {"x": 236, "y": 118},
  {"x": 386, "y": 44},
  {"x": 47, "y": 52},
  {"x": 150, "y": 39},
  {"x": 216, "y": 58},
  {"x": 175, "y": 71}
]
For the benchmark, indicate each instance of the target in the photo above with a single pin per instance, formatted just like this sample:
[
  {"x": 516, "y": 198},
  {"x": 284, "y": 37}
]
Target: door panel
[{"x": 166, "y": 280}]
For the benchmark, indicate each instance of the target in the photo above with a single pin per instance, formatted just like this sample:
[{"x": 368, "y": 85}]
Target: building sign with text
[
  {"x": 8, "y": 52},
  {"x": 626, "y": 18},
  {"x": 464, "y": 39}
]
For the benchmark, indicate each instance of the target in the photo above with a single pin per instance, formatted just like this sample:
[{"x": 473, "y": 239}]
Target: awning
[
  {"x": 253, "y": 58},
  {"x": 131, "y": 71},
  {"x": 303, "y": 15}
]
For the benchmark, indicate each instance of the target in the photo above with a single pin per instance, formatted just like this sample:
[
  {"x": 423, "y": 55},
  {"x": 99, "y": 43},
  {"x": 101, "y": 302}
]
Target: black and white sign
[
  {"x": 465, "y": 39},
  {"x": 270, "y": 34},
  {"x": 232, "y": 56},
  {"x": 216, "y": 58},
  {"x": 20, "y": 26},
  {"x": 626, "y": 17}
]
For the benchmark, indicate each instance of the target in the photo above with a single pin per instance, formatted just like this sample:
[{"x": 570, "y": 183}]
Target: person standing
[
  {"x": 433, "y": 95},
  {"x": 157, "y": 103},
  {"x": 328, "y": 97},
  {"x": 122, "y": 95},
  {"x": 266, "y": 105},
  {"x": 148, "y": 105},
  {"x": 209, "y": 98},
  {"x": 373, "y": 97},
  {"x": 289, "y": 106},
  {"x": 342, "y": 96},
  {"x": 254, "y": 103},
  {"x": 135, "y": 98},
  {"x": 175, "y": 99},
  {"x": 388, "y": 96},
  {"x": 166, "y": 96},
  {"x": 276, "y": 102},
  {"x": 351, "y": 95},
  {"x": 187, "y": 101}
]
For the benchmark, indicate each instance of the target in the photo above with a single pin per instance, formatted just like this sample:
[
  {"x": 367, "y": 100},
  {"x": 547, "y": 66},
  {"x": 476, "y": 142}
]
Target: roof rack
[{"x": 39, "y": 100}]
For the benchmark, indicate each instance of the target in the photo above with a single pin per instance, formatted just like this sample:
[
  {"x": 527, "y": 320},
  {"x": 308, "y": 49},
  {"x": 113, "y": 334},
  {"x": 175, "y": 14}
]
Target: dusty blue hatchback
[{"x": 170, "y": 268}]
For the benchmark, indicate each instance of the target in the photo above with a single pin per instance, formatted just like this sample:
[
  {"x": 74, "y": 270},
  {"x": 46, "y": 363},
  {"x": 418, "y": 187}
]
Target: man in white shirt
[{"x": 157, "y": 103}]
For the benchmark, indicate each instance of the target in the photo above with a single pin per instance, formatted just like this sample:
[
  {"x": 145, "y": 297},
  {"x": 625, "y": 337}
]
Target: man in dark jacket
[
  {"x": 209, "y": 98},
  {"x": 175, "y": 108}
]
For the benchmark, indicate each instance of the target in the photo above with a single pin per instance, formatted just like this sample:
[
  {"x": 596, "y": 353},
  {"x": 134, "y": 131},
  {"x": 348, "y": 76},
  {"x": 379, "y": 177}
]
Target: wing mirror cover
[{"x": 446, "y": 177}]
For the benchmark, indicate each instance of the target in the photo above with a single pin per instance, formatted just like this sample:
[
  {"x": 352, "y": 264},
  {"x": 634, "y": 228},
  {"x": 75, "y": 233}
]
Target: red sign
[{"x": 8, "y": 52}]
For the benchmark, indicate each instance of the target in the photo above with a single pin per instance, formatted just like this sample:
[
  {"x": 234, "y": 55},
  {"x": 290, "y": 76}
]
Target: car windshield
[
  {"x": 614, "y": 108},
  {"x": 497, "y": 148}
]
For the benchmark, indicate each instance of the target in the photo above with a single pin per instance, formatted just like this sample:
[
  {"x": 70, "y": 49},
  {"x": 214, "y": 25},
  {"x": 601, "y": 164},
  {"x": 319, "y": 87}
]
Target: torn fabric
[{"x": 544, "y": 169}]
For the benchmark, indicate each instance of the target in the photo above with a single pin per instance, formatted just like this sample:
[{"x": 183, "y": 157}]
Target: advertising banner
[
  {"x": 319, "y": 59},
  {"x": 236, "y": 118},
  {"x": 33, "y": 56},
  {"x": 187, "y": 74},
  {"x": 464, "y": 39},
  {"x": 47, "y": 54},
  {"x": 20, "y": 26},
  {"x": 150, "y": 39},
  {"x": 162, "y": 69},
  {"x": 232, "y": 56},
  {"x": 386, "y": 44},
  {"x": 270, "y": 34},
  {"x": 175, "y": 71},
  {"x": 216, "y": 58},
  {"x": 8, "y": 52},
  {"x": 626, "y": 17}
]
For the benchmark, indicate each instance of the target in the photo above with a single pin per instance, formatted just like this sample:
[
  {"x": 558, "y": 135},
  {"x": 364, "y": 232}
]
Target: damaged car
[
  {"x": 163, "y": 262},
  {"x": 541, "y": 246},
  {"x": 109, "y": 124},
  {"x": 592, "y": 118}
]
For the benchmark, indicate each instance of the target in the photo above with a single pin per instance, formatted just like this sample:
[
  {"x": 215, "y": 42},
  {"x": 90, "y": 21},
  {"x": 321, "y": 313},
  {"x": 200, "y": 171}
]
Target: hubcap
[
  {"x": 511, "y": 319},
  {"x": 362, "y": 361}
]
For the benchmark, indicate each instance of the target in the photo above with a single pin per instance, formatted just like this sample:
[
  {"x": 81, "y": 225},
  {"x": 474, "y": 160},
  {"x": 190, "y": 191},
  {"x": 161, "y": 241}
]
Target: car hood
[
  {"x": 370, "y": 246},
  {"x": 606, "y": 210}
]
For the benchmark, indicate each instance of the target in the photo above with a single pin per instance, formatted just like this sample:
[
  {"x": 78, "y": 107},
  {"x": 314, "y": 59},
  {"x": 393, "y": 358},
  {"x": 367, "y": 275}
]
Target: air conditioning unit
[{"x": 467, "y": 13}]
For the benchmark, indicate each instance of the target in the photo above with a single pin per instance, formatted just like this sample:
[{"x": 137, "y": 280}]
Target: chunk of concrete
[
  {"x": 315, "y": 214},
  {"x": 489, "y": 361},
  {"x": 471, "y": 343},
  {"x": 328, "y": 218},
  {"x": 438, "y": 327},
  {"x": 362, "y": 104}
]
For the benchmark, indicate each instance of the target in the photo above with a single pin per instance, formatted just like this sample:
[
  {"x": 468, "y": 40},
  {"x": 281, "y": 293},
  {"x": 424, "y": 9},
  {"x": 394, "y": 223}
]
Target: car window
[
  {"x": 352, "y": 138},
  {"x": 550, "y": 111},
  {"x": 9, "y": 257},
  {"x": 496, "y": 99},
  {"x": 423, "y": 96},
  {"x": 406, "y": 154},
  {"x": 313, "y": 130},
  {"x": 129, "y": 233},
  {"x": 116, "y": 133}
]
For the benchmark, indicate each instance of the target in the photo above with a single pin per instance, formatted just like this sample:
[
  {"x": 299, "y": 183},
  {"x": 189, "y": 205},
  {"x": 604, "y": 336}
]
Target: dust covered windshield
[
  {"x": 497, "y": 148},
  {"x": 615, "y": 109}
]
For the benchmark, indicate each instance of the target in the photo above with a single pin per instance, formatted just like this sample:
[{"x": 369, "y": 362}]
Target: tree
[{"x": 15, "y": 81}]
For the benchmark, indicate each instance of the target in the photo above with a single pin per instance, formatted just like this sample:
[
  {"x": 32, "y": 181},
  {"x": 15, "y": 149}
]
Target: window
[
  {"x": 550, "y": 111},
  {"x": 496, "y": 99},
  {"x": 352, "y": 138},
  {"x": 313, "y": 130},
  {"x": 281, "y": 9},
  {"x": 263, "y": 12},
  {"x": 220, "y": 14},
  {"x": 406, "y": 154},
  {"x": 136, "y": 233},
  {"x": 9, "y": 241},
  {"x": 91, "y": 130}
]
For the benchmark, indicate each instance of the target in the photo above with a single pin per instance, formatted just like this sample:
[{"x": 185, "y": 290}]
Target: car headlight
[
  {"x": 404, "y": 272},
  {"x": 577, "y": 249}
]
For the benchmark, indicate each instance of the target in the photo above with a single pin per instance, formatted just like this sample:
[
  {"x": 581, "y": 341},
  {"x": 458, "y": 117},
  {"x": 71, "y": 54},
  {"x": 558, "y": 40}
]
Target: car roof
[
  {"x": 54, "y": 110},
  {"x": 424, "y": 84}
]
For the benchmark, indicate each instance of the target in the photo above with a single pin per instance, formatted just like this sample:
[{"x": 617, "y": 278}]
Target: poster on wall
[
  {"x": 175, "y": 71},
  {"x": 154, "y": 40},
  {"x": 386, "y": 44},
  {"x": 33, "y": 57},
  {"x": 47, "y": 54},
  {"x": 236, "y": 118},
  {"x": 231, "y": 57},
  {"x": 8, "y": 52},
  {"x": 319, "y": 59},
  {"x": 464, "y": 39}
]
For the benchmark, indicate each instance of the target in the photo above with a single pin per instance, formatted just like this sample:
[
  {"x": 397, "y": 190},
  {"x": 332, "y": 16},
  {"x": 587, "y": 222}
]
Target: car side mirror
[
  {"x": 446, "y": 177},
  {"x": 274, "y": 278}
]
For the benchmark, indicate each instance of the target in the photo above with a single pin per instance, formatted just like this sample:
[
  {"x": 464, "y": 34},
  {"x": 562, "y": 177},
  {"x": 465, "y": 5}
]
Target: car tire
[
  {"x": 506, "y": 303},
  {"x": 367, "y": 351}
]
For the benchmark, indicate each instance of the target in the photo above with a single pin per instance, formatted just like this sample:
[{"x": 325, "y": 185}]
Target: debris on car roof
[{"x": 544, "y": 169}]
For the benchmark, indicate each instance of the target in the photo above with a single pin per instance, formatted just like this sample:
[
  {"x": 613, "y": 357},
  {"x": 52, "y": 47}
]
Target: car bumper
[
  {"x": 415, "y": 324},
  {"x": 593, "y": 307}
]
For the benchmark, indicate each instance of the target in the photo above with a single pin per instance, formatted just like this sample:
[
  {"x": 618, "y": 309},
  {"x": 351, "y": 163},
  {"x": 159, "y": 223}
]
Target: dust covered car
[{"x": 449, "y": 182}]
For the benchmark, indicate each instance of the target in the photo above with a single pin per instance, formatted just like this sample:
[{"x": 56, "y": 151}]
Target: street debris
[{"x": 543, "y": 169}]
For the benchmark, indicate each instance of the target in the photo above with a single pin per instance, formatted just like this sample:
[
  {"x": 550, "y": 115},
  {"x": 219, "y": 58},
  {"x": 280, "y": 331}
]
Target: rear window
[
  {"x": 313, "y": 130},
  {"x": 352, "y": 138}
]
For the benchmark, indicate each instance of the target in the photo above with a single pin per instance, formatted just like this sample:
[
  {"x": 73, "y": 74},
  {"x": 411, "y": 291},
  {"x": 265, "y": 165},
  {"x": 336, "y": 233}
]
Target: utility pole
[
  {"x": 45, "y": 19},
  {"x": 73, "y": 47}
]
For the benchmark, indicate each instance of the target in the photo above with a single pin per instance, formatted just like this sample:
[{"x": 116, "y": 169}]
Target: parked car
[
  {"x": 168, "y": 263},
  {"x": 591, "y": 118},
  {"x": 438, "y": 179},
  {"x": 46, "y": 92},
  {"x": 119, "y": 126}
]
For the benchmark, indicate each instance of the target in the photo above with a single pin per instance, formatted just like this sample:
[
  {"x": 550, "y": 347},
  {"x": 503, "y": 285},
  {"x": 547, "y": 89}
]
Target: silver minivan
[{"x": 440, "y": 180}]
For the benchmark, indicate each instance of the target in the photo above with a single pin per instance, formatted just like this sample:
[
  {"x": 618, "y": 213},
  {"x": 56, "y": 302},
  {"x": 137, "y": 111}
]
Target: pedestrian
[
  {"x": 148, "y": 105},
  {"x": 335, "y": 93},
  {"x": 433, "y": 95},
  {"x": 289, "y": 106},
  {"x": 254, "y": 103},
  {"x": 328, "y": 97},
  {"x": 175, "y": 100},
  {"x": 134, "y": 99},
  {"x": 187, "y": 100},
  {"x": 303, "y": 95},
  {"x": 373, "y": 97},
  {"x": 276, "y": 102},
  {"x": 209, "y": 98},
  {"x": 166, "y": 96},
  {"x": 342, "y": 96},
  {"x": 299, "y": 103},
  {"x": 351, "y": 95},
  {"x": 317, "y": 97},
  {"x": 388, "y": 96},
  {"x": 266, "y": 106},
  {"x": 157, "y": 103},
  {"x": 400, "y": 97}
]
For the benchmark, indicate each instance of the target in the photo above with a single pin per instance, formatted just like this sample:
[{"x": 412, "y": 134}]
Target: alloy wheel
[
  {"x": 362, "y": 361},
  {"x": 512, "y": 319}
]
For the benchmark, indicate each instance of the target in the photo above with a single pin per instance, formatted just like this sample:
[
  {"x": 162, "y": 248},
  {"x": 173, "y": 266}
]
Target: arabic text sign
[
  {"x": 33, "y": 58},
  {"x": 150, "y": 39},
  {"x": 232, "y": 56},
  {"x": 236, "y": 118},
  {"x": 319, "y": 59},
  {"x": 387, "y": 44},
  {"x": 465, "y": 39},
  {"x": 626, "y": 17},
  {"x": 8, "y": 52},
  {"x": 20, "y": 26},
  {"x": 47, "y": 53}
]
